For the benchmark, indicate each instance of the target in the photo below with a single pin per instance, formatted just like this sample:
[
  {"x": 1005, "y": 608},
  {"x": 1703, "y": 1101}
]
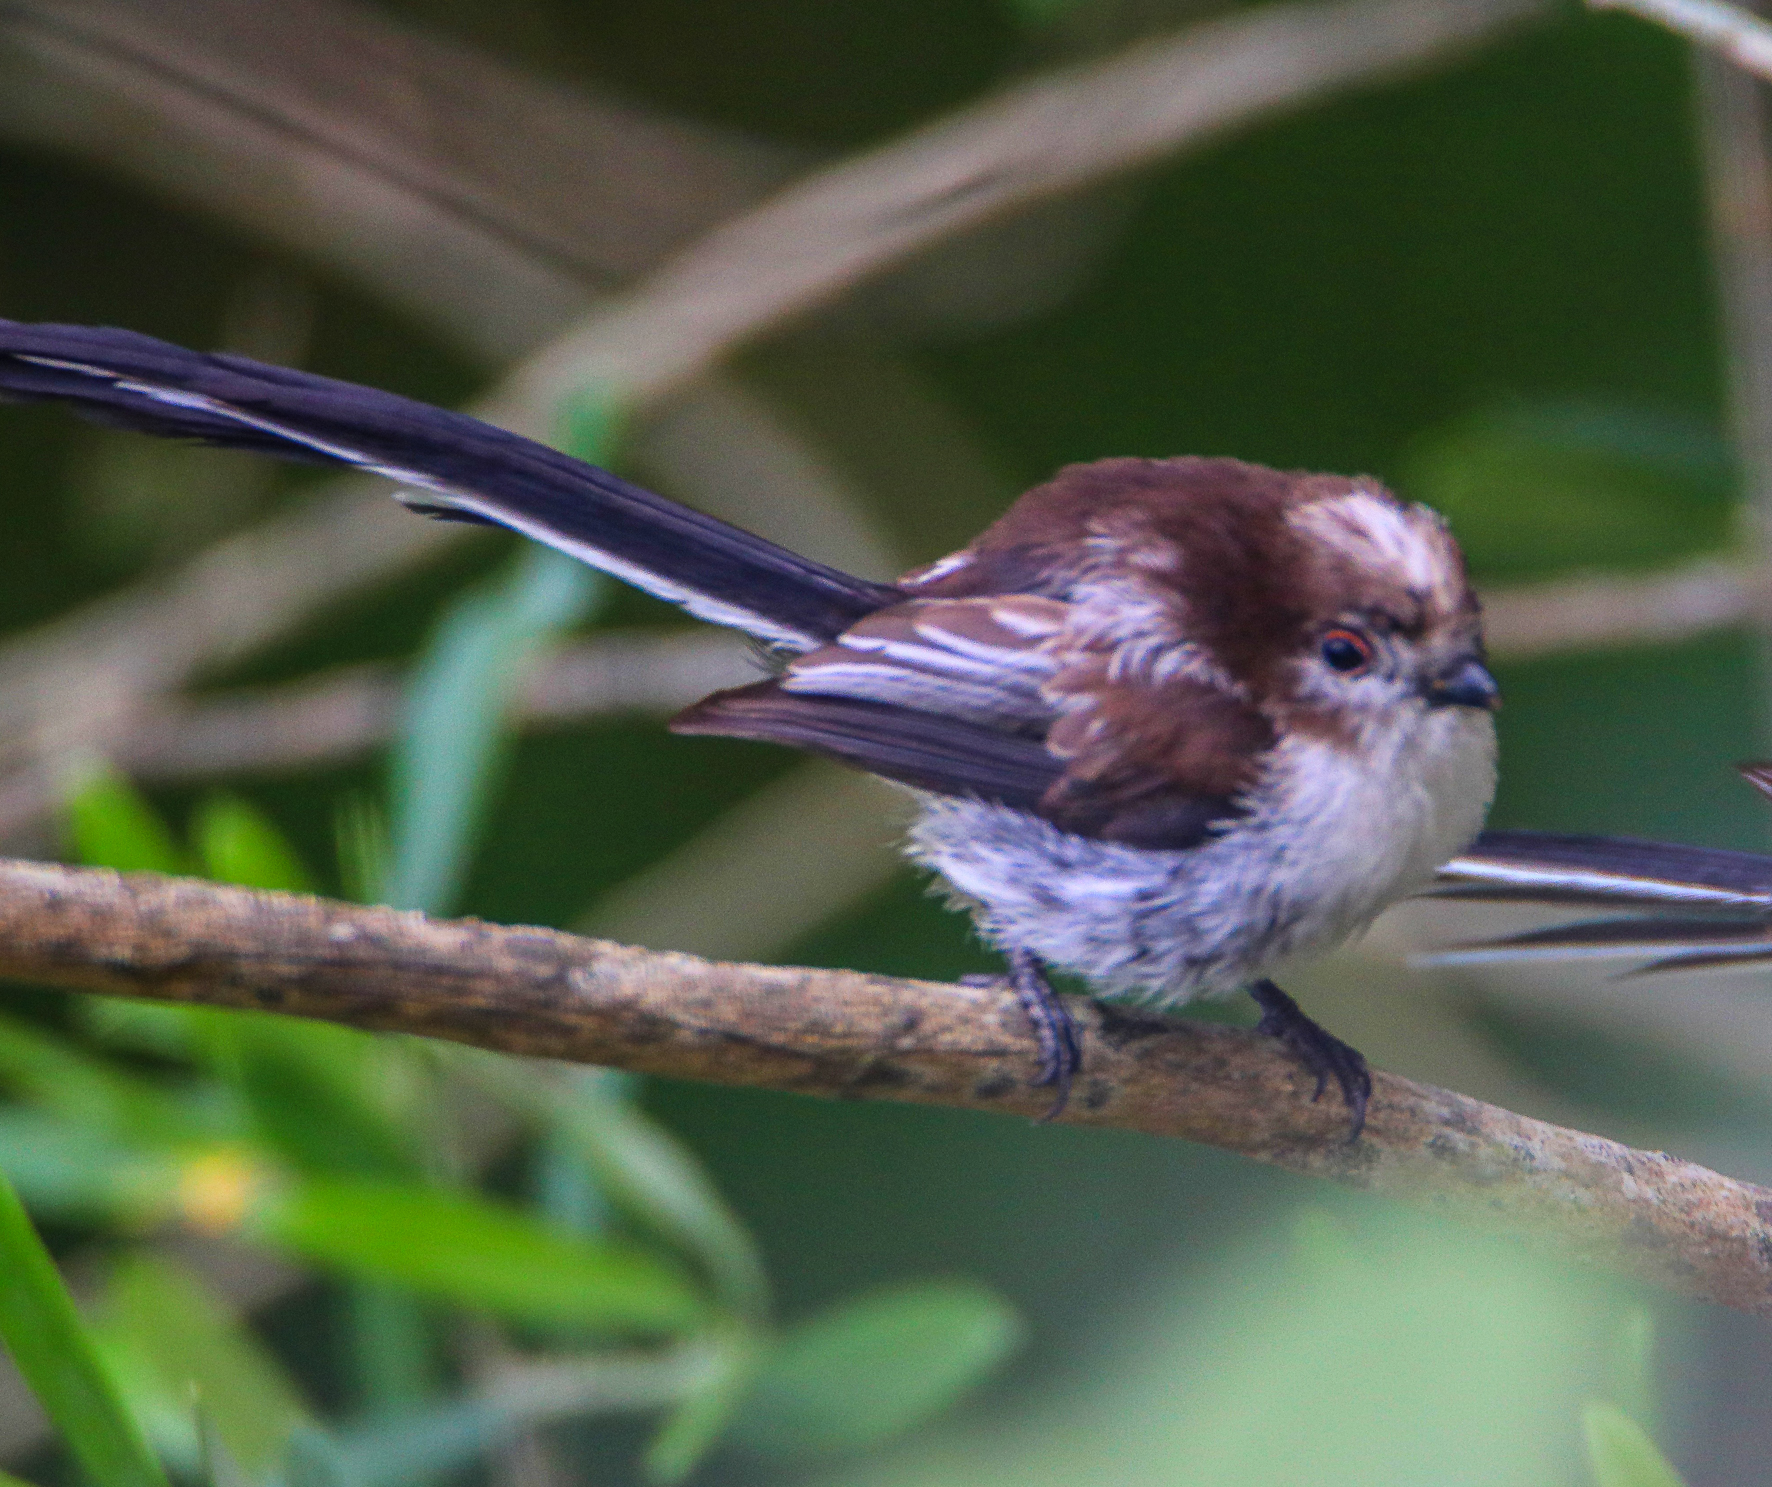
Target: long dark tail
[{"x": 454, "y": 466}]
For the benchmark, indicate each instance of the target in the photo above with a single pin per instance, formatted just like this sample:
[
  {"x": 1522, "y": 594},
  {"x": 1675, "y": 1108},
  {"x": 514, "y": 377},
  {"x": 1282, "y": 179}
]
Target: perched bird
[{"x": 1169, "y": 722}]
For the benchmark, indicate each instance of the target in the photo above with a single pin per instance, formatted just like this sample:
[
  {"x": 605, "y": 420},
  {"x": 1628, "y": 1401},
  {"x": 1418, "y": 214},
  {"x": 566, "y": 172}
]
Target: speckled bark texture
[{"x": 851, "y": 1036}]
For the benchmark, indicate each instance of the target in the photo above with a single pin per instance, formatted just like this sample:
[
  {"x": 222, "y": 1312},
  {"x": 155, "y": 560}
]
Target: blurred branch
[
  {"x": 769, "y": 870},
  {"x": 1053, "y": 134},
  {"x": 339, "y": 714},
  {"x": 1739, "y": 35},
  {"x": 1602, "y": 611},
  {"x": 1733, "y": 128},
  {"x": 847, "y": 1035},
  {"x": 380, "y": 149},
  {"x": 346, "y": 712},
  {"x": 399, "y": 174}
]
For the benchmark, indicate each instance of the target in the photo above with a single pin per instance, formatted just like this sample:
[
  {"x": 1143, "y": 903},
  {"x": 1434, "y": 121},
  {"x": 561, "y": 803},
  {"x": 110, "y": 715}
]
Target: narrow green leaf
[
  {"x": 39, "y": 1068},
  {"x": 692, "y": 1429},
  {"x": 1633, "y": 1367},
  {"x": 872, "y": 1368},
  {"x": 329, "y": 1099},
  {"x": 392, "y": 1357},
  {"x": 642, "y": 1168},
  {"x": 478, "y": 1254},
  {"x": 453, "y": 725},
  {"x": 564, "y": 1189},
  {"x": 140, "y": 1027},
  {"x": 1620, "y": 1452},
  {"x": 237, "y": 843},
  {"x": 111, "y": 824},
  {"x": 50, "y": 1345},
  {"x": 204, "y": 1366},
  {"x": 360, "y": 832},
  {"x": 591, "y": 423},
  {"x": 72, "y": 1172}
]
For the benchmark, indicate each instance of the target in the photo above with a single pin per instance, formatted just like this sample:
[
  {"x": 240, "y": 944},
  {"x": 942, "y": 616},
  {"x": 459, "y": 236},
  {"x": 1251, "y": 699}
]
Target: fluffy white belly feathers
[{"x": 1334, "y": 837}]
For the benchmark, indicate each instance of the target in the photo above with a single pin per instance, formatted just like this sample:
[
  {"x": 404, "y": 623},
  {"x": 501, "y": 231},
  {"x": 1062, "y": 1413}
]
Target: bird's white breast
[{"x": 1332, "y": 836}]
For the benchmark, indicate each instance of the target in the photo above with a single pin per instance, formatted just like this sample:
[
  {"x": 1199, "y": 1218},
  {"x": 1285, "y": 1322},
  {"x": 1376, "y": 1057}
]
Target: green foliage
[
  {"x": 189, "y": 1367},
  {"x": 68, "y": 1171},
  {"x": 56, "y": 1355},
  {"x": 873, "y": 1367},
  {"x": 706, "y": 1409},
  {"x": 445, "y": 759},
  {"x": 54, "y": 1074},
  {"x": 111, "y": 825},
  {"x": 1620, "y": 1452},
  {"x": 638, "y": 1166},
  {"x": 1534, "y": 489},
  {"x": 478, "y": 1254},
  {"x": 237, "y": 843},
  {"x": 322, "y": 1144}
]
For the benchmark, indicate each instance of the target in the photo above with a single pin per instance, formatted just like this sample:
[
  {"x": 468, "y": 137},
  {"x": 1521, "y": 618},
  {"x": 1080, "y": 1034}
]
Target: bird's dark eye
[{"x": 1346, "y": 650}]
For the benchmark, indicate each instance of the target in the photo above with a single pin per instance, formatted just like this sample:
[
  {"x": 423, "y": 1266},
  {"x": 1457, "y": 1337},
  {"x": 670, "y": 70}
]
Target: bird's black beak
[{"x": 1465, "y": 683}]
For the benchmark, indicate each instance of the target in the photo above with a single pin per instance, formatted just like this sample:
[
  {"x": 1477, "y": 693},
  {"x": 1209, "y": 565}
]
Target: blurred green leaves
[
  {"x": 1621, "y": 1453},
  {"x": 1533, "y": 489},
  {"x": 52, "y": 1349},
  {"x": 871, "y": 1368},
  {"x": 237, "y": 843},
  {"x": 637, "y": 1165},
  {"x": 446, "y": 754},
  {"x": 478, "y": 1254},
  {"x": 187, "y": 1364},
  {"x": 334, "y": 1148},
  {"x": 111, "y": 825}
]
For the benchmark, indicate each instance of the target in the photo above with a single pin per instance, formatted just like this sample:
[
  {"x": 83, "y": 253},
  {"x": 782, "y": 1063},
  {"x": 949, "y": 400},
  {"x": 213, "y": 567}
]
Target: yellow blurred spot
[{"x": 218, "y": 1189}]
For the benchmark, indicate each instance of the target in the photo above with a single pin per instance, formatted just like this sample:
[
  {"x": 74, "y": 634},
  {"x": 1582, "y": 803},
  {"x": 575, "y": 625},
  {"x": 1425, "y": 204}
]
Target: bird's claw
[
  {"x": 1320, "y": 1051},
  {"x": 1055, "y": 1032}
]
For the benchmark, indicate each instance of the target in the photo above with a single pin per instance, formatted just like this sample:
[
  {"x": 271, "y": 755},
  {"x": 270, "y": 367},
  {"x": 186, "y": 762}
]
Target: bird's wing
[
  {"x": 454, "y": 466},
  {"x": 947, "y": 755},
  {"x": 984, "y": 660},
  {"x": 979, "y": 696}
]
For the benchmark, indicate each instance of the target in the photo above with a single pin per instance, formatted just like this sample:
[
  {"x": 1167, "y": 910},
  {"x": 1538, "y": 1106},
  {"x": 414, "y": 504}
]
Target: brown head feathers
[{"x": 1250, "y": 560}]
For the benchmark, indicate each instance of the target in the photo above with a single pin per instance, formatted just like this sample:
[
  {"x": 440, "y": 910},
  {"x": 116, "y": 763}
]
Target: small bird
[{"x": 1169, "y": 722}]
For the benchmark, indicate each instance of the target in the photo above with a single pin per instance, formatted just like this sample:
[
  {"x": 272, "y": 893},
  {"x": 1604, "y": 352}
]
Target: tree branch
[
  {"x": 843, "y": 1034},
  {"x": 1055, "y": 133},
  {"x": 1738, "y": 34},
  {"x": 350, "y": 710}
]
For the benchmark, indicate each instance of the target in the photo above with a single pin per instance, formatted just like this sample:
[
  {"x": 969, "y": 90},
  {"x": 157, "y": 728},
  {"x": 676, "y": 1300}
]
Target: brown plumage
[
  {"x": 1143, "y": 618},
  {"x": 1172, "y": 721}
]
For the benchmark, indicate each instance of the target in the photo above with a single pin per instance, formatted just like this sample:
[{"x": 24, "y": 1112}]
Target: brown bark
[{"x": 842, "y": 1034}]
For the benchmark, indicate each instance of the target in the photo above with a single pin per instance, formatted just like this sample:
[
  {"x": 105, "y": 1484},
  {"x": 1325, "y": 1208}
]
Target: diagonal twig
[
  {"x": 1737, "y": 34},
  {"x": 1028, "y": 143},
  {"x": 1596, "y": 611},
  {"x": 339, "y": 714},
  {"x": 848, "y": 1035}
]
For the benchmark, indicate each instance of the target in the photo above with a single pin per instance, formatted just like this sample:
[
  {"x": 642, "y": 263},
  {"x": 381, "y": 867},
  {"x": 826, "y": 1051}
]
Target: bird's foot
[
  {"x": 1055, "y": 1032},
  {"x": 1321, "y": 1052}
]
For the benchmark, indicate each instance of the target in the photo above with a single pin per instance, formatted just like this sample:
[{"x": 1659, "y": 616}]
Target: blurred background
[{"x": 1513, "y": 258}]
